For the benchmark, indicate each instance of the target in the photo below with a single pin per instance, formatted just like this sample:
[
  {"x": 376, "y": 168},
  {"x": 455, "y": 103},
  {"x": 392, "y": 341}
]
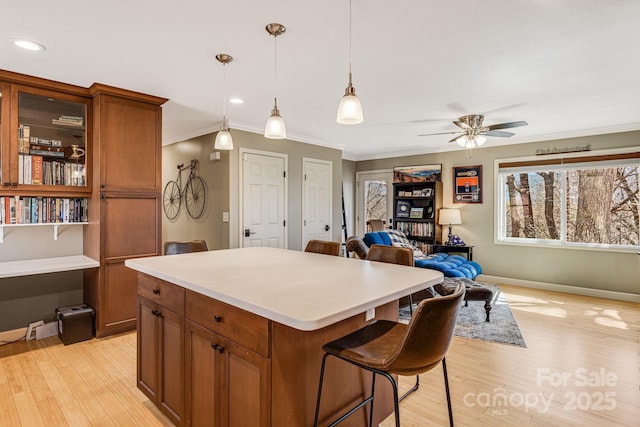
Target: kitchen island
[{"x": 234, "y": 337}]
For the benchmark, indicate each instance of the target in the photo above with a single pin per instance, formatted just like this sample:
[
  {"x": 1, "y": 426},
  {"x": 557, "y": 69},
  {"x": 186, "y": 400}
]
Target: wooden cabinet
[
  {"x": 125, "y": 212},
  {"x": 160, "y": 369},
  {"x": 415, "y": 212},
  {"x": 226, "y": 384},
  {"x": 45, "y": 139},
  {"x": 228, "y": 372}
]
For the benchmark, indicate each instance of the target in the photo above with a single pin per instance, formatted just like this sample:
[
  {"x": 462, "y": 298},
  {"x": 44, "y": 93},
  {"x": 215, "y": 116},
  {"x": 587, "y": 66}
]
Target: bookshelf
[
  {"x": 44, "y": 137},
  {"x": 415, "y": 210}
]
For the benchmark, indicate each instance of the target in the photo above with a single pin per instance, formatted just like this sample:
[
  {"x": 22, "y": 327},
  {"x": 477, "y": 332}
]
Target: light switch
[{"x": 225, "y": 216}]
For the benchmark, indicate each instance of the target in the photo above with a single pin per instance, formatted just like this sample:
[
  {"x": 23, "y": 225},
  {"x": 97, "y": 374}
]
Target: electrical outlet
[
  {"x": 31, "y": 330},
  {"x": 370, "y": 314}
]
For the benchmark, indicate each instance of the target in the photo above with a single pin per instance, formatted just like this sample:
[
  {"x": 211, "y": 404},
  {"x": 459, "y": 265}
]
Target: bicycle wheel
[
  {"x": 195, "y": 196},
  {"x": 171, "y": 200}
]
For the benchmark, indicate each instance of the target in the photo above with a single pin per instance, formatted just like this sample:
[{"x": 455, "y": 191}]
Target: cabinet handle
[
  {"x": 156, "y": 291},
  {"x": 156, "y": 313},
  {"x": 214, "y": 346},
  {"x": 220, "y": 348},
  {"x": 217, "y": 318}
]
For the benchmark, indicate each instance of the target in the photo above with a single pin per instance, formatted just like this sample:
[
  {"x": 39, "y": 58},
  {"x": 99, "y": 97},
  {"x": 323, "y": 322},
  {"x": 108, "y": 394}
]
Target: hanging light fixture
[
  {"x": 275, "y": 129},
  {"x": 223, "y": 138},
  {"x": 350, "y": 109}
]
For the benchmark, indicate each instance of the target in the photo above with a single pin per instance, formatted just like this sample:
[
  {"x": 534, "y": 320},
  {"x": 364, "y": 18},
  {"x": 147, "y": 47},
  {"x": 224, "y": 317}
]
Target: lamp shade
[
  {"x": 350, "y": 110},
  {"x": 275, "y": 128},
  {"x": 223, "y": 140},
  {"x": 449, "y": 217}
]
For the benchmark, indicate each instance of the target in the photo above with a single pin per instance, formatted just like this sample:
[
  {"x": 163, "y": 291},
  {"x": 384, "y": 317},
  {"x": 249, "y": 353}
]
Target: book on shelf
[{"x": 36, "y": 170}]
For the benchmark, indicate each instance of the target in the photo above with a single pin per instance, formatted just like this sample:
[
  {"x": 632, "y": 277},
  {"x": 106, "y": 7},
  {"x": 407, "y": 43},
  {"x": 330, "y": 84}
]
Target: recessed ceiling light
[
  {"x": 28, "y": 45},
  {"x": 236, "y": 101}
]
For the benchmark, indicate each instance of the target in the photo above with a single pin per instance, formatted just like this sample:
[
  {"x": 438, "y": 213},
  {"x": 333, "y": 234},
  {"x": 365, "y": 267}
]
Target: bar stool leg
[
  {"x": 446, "y": 386},
  {"x": 324, "y": 360}
]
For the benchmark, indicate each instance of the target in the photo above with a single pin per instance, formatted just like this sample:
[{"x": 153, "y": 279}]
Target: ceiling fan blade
[
  {"x": 507, "y": 125},
  {"x": 499, "y": 133},
  {"x": 439, "y": 133},
  {"x": 461, "y": 125}
]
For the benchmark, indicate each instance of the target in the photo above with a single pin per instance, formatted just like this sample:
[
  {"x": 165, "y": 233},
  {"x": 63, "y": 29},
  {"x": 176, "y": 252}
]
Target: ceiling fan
[{"x": 474, "y": 134}]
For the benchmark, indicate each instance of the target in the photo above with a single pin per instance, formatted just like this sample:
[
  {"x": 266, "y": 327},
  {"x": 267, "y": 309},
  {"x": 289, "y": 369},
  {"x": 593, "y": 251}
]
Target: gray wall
[
  {"x": 27, "y": 299},
  {"x": 349, "y": 187},
  {"x": 595, "y": 269},
  {"x": 216, "y": 176},
  {"x": 222, "y": 178}
]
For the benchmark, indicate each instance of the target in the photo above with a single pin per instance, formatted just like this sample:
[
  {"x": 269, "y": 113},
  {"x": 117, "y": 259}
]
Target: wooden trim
[
  {"x": 102, "y": 89},
  {"x": 50, "y": 85},
  {"x": 570, "y": 160}
]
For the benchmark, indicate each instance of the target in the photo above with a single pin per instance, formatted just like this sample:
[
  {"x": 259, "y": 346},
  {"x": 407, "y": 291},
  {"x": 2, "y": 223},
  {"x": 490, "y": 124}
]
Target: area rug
[{"x": 502, "y": 328}]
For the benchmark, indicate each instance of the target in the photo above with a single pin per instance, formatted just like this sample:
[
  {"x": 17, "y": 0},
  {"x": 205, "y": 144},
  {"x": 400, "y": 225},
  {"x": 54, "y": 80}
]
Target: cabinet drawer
[
  {"x": 161, "y": 292},
  {"x": 245, "y": 328}
]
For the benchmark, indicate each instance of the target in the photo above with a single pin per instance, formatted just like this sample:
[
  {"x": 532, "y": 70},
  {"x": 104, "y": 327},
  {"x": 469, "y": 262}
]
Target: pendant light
[
  {"x": 275, "y": 129},
  {"x": 223, "y": 138},
  {"x": 350, "y": 109}
]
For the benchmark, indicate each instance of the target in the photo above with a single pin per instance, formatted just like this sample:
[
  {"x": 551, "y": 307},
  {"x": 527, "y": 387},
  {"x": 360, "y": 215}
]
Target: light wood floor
[{"x": 593, "y": 343}]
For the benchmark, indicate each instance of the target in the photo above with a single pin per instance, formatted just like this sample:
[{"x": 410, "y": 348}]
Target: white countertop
[
  {"x": 46, "y": 265},
  {"x": 305, "y": 291}
]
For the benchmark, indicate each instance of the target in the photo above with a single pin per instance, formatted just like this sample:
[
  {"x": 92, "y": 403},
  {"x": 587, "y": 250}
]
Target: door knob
[
  {"x": 248, "y": 232},
  {"x": 327, "y": 228}
]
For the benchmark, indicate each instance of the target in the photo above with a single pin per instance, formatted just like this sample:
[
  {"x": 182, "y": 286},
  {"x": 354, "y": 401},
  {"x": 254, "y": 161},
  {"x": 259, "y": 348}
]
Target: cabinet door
[
  {"x": 226, "y": 384},
  {"x": 148, "y": 336},
  {"x": 118, "y": 300},
  {"x": 131, "y": 226},
  {"x": 129, "y": 134},
  {"x": 49, "y": 131},
  {"x": 160, "y": 370},
  {"x": 171, "y": 365},
  {"x": 6, "y": 148}
]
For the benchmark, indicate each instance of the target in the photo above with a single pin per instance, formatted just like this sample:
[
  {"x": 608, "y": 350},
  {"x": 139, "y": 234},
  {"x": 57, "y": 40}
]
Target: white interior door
[
  {"x": 374, "y": 198},
  {"x": 264, "y": 202},
  {"x": 316, "y": 200}
]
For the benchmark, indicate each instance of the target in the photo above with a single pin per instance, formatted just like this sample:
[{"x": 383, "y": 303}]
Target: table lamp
[{"x": 449, "y": 217}]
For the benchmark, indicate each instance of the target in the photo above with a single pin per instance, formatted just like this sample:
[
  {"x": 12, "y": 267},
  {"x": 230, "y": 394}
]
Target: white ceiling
[{"x": 569, "y": 68}]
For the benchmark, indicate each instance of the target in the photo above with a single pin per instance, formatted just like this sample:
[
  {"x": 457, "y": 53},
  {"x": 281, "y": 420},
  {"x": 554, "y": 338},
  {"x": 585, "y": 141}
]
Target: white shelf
[
  {"x": 55, "y": 225},
  {"x": 46, "y": 265}
]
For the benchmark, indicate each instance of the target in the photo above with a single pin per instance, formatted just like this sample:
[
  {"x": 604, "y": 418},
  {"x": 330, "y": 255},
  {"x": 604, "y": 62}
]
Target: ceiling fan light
[
  {"x": 480, "y": 140},
  {"x": 462, "y": 141},
  {"x": 350, "y": 109},
  {"x": 275, "y": 129}
]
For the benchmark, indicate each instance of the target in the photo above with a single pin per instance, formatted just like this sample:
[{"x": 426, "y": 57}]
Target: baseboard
[
  {"x": 12, "y": 335},
  {"x": 576, "y": 290}
]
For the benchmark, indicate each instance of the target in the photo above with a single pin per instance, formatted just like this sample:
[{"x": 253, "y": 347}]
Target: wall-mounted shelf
[
  {"x": 46, "y": 265},
  {"x": 56, "y": 226}
]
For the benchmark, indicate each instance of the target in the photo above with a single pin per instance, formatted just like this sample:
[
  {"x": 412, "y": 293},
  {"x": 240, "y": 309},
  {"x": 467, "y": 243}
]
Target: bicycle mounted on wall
[{"x": 194, "y": 193}]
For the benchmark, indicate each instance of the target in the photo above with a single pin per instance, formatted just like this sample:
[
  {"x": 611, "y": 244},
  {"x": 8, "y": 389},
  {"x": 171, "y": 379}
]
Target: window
[{"x": 572, "y": 201}]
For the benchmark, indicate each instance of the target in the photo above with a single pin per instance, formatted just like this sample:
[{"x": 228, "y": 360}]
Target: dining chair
[
  {"x": 325, "y": 247},
  {"x": 391, "y": 348},
  {"x": 173, "y": 247},
  {"x": 375, "y": 225}
]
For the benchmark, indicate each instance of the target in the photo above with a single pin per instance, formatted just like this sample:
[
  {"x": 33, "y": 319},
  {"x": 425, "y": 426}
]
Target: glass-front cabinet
[{"x": 44, "y": 141}]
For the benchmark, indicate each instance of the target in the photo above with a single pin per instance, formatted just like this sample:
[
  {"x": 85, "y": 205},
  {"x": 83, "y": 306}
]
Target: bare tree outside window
[
  {"x": 375, "y": 200},
  {"x": 601, "y": 205}
]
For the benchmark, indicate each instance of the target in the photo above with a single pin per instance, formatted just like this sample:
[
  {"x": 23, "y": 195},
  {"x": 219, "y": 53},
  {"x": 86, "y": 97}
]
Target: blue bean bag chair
[{"x": 449, "y": 265}]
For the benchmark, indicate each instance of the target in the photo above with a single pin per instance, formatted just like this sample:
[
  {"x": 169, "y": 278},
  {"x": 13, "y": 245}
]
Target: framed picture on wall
[{"x": 467, "y": 184}]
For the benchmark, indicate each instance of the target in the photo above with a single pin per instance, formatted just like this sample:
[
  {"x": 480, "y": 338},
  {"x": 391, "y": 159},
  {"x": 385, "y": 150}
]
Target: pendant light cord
[
  {"x": 275, "y": 66},
  {"x": 224, "y": 94},
  {"x": 349, "y": 41}
]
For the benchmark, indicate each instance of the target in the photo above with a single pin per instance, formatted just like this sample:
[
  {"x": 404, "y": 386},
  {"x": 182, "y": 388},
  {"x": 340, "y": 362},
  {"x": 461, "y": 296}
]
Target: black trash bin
[{"x": 75, "y": 323}]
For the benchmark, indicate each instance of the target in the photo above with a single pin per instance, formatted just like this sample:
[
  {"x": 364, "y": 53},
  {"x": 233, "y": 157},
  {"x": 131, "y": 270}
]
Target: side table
[{"x": 467, "y": 250}]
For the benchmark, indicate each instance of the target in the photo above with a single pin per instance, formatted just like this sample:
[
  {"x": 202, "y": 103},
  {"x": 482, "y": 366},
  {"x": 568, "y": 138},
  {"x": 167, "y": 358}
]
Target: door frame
[
  {"x": 330, "y": 164},
  {"x": 285, "y": 194},
  {"x": 361, "y": 228}
]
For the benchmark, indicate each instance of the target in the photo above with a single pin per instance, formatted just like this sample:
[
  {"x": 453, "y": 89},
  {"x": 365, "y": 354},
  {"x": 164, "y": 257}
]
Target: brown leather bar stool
[
  {"x": 323, "y": 247},
  {"x": 387, "y": 348},
  {"x": 173, "y": 248}
]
